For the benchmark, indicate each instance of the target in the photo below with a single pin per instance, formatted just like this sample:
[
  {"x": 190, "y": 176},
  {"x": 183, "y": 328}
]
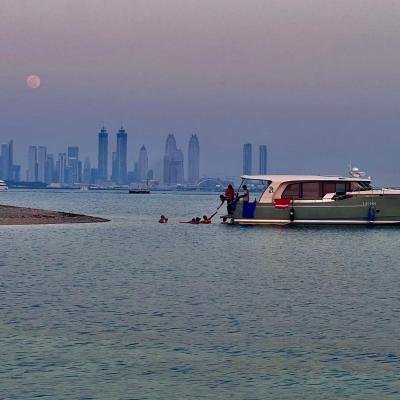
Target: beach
[{"x": 10, "y": 215}]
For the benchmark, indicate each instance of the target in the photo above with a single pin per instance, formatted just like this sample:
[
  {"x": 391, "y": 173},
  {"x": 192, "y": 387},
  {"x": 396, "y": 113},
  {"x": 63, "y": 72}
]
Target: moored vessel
[
  {"x": 314, "y": 199},
  {"x": 139, "y": 191},
  {"x": 3, "y": 186}
]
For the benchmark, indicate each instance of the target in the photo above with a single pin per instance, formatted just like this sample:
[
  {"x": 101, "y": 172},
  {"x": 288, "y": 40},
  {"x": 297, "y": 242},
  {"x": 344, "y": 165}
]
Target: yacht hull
[{"x": 355, "y": 210}]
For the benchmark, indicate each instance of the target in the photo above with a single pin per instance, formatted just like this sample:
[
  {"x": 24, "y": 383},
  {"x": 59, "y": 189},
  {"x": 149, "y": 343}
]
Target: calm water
[{"x": 133, "y": 309}]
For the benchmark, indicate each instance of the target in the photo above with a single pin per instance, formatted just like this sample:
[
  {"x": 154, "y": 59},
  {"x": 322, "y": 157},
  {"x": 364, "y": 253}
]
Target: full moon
[{"x": 33, "y": 81}]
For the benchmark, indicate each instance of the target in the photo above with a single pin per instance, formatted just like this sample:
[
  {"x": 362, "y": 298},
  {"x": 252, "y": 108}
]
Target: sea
[{"x": 134, "y": 309}]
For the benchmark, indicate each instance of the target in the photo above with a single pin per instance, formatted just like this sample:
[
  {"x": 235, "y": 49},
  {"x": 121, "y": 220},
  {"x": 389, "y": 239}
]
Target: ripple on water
[{"x": 134, "y": 309}]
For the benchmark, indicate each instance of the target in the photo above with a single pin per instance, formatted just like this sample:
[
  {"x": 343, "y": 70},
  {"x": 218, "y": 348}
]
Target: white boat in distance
[{"x": 3, "y": 186}]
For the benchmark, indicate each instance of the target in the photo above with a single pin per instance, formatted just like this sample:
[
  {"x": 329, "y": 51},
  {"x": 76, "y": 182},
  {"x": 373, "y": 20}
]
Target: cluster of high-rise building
[
  {"x": 173, "y": 172},
  {"x": 46, "y": 168},
  {"x": 66, "y": 168},
  {"x": 248, "y": 159}
]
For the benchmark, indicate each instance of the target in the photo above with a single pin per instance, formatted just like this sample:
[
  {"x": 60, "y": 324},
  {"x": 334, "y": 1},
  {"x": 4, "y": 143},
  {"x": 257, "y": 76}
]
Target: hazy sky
[{"x": 318, "y": 81}]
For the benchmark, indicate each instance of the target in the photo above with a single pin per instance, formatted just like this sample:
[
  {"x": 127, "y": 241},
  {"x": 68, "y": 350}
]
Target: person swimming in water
[
  {"x": 205, "y": 220},
  {"x": 163, "y": 219}
]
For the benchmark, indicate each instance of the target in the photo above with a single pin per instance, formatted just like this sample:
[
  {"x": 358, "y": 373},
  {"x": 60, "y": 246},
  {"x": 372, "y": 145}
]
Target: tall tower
[
  {"x": 10, "y": 158},
  {"x": 49, "y": 170},
  {"x": 73, "y": 165},
  {"x": 86, "y": 171},
  {"x": 41, "y": 161},
  {"x": 5, "y": 161},
  {"x": 263, "y": 159},
  {"x": 32, "y": 164},
  {"x": 247, "y": 159},
  {"x": 193, "y": 159},
  {"x": 143, "y": 164},
  {"x": 173, "y": 163},
  {"x": 122, "y": 143},
  {"x": 62, "y": 166},
  {"x": 102, "y": 166}
]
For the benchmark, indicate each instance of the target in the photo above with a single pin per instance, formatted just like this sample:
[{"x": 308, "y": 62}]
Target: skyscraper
[
  {"x": 87, "y": 170},
  {"x": 263, "y": 159},
  {"x": 143, "y": 164},
  {"x": 173, "y": 163},
  {"x": 193, "y": 160},
  {"x": 41, "y": 161},
  {"x": 72, "y": 176},
  {"x": 102, "y": 170},
  {"x": 247, "y": 159},
  {"x": 32, "y": 164},
  {"x": 114, "y": 167},
  {"x": 62, "y": 166},
  {"x": 6, "y": 160},
  {"x": 122, "y": 143},
  {"x": 49, "y": 170}
]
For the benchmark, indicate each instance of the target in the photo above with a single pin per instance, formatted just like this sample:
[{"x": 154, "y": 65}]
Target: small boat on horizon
[
  {"x": 3, "y": 186},
  {"x": 139, "y": 191},
  {"x": 314, "y": 199}
]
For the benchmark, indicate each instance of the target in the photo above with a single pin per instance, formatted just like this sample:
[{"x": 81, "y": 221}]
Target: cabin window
[
  {"x": 328, "y": 187},
  {"x": 340, "y": 187},
  {"x": 292, "y": 191},
  {"x": 311, "y": 191}
]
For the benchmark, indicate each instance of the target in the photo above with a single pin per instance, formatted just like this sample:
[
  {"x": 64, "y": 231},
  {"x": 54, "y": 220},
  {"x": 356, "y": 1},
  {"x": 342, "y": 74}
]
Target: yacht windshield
[
  {"x": 360, "y": 186},
  {"x": 256, "y": 186}
]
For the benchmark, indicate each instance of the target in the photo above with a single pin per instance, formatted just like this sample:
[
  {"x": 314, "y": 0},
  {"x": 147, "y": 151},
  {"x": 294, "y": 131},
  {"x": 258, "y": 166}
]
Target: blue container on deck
[{"x": 249, "y": 209}]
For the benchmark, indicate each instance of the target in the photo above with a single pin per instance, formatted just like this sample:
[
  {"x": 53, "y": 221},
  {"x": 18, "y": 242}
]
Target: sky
[{"x": 318, "y": 81}]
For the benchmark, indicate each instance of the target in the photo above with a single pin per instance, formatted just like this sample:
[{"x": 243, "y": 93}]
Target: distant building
[
  {"x": 32, "y": 172},
  {"x": 6, "y": 164},
  {"x": 121, "y": 156},
  {"x": 61, "y": 167},
  {"x": 93, "y": 175},
  {"x": 102, "y": 170},
  {"x": 41, "y": 161},
  {"x": 263, "y": 159},
  {"x": 50, "y": 170},
  {"x": 193, "y": 160},
  {"x": 114, "y": 167},
  {"x": 247, "y": 159},
  {"x": 86, "y": 171},
  {"x": 173, "y": 163},
  {"x": 16, "y": 173},
  {"x": 143, "y": 164},
  {"x": 72, "y": 171}
]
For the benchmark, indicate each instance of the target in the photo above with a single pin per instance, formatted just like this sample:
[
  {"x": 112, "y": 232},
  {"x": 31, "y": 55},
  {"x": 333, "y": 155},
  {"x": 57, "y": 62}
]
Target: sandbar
[{"x": 11, "y": 215}]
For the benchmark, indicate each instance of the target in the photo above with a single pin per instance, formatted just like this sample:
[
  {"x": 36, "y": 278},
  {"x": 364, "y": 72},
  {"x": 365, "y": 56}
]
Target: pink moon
[{"x": 33, "y": 81}]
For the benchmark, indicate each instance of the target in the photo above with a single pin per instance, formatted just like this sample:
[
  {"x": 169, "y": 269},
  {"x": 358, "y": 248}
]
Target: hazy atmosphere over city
[{"x": 316, "y": 81}]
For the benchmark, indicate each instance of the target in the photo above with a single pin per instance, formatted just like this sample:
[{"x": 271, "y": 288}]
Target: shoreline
[{"x": 12, "y": 215}]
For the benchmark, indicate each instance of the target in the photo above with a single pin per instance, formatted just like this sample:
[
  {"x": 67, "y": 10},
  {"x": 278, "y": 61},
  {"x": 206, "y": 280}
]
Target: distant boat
[
  {"x": 3, "y": 186},
  {"x": 139, "y": 191}
]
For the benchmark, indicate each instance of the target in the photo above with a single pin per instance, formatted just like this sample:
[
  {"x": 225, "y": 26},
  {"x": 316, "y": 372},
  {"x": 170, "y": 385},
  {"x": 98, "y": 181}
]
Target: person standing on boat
[
  {"x": 229, "y": 197},
  {"x": 246, "y": 195}
]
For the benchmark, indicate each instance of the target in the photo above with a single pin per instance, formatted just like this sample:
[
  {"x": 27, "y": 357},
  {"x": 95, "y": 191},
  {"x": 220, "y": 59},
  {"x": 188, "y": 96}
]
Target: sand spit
[{"x": 10, "y": 215}]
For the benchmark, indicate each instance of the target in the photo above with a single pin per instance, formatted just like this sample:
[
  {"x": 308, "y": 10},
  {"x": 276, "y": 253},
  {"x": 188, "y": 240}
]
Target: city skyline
[
  {"x": 308, "y": 76},
  {"x": 70, "y": 166}
]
